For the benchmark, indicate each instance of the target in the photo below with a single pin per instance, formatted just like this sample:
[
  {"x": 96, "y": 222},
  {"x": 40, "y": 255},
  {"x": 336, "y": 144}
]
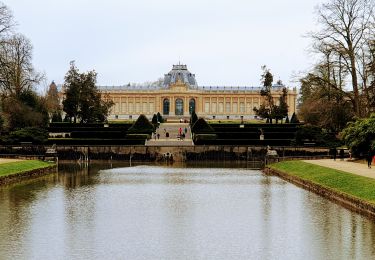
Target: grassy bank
[
  {"x": 7, "y": 169},
  {"x": 350, "y": 184}
]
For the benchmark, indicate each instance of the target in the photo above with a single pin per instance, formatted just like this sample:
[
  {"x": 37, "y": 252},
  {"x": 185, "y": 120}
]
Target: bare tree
[
  {"x": 6, "y": 20},
  {"x": 346, "y": 27},
  {"x": 17, "y": 73}
]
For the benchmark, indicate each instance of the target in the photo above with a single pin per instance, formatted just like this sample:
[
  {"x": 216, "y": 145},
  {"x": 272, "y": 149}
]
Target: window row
[
  {"x": 131, "y": 107},
  {"x": 229, "y": 107}
]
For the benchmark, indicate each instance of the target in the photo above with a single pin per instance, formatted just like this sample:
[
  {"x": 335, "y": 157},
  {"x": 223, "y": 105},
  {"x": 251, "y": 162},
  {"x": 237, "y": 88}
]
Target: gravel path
[
  {"x": 346, "y": 166},
  {"x": 2, "y": 160}
]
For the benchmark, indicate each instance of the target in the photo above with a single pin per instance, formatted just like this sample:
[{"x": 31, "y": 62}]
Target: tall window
[
  {"x": 166, "y": 107},
  {"x": 191, "y": 106},
  {"x": 179, "y": 107}
]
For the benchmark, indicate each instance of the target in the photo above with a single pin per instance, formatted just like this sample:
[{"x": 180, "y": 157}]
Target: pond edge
[{"x": 348, "y": 201}]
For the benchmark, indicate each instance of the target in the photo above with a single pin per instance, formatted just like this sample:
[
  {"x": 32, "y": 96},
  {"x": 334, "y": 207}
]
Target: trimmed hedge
[
  {"x": 138, "y": 136},
  {"x": 204, "y": 137},
  {"x": 141, "y": 126},
  {"x": 98, "y": 134},
  {"x": 201, "y": 126},
  {"x": 252, "y": 142},
  {"x": 67, "y": 124},
  {"x": 93, "y": 142}
]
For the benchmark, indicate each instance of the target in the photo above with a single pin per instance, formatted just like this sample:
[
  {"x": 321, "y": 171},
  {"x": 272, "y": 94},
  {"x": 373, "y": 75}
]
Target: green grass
[
  {"x": 21, "y": 166},
  {"x": 342, "y": 182}
]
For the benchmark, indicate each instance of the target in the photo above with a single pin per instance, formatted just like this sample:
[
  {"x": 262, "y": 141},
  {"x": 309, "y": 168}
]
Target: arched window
[
  {"x": 191, "y": 106},
  {"x": 179, "y": 107},
  {"x": 166, "y": 107}
]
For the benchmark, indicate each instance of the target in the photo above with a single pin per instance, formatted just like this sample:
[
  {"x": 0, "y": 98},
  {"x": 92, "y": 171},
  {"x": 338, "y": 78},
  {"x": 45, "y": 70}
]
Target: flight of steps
[{"x": 173, "y": 139}]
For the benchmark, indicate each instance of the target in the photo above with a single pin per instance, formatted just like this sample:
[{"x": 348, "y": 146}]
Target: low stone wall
[
  {"x": 348, "y": 201},
  {"x": 27, "y": 175}
]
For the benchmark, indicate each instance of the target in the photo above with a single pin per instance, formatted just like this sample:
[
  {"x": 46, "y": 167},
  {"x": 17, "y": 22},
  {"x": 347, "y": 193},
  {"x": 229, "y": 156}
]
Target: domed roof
[{"x": 180, "y": 72}]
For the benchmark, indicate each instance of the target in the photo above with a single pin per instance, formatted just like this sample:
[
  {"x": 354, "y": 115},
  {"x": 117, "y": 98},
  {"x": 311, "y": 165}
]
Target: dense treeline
[
  {"x": 340, "y": 88},
  {"x": 24, "y": 113}
]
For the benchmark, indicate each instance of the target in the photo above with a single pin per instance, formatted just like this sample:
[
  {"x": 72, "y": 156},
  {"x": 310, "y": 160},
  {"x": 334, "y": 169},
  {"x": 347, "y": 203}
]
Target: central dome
[{"x": 180, "y": 72}]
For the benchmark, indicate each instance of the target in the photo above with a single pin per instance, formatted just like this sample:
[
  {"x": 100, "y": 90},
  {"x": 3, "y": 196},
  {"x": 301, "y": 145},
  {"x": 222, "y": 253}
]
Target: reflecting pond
[{"x": 198, "y": 211}]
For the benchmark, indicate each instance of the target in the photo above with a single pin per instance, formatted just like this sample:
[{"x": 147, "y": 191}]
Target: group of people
[{"x": 180, "y": 135}]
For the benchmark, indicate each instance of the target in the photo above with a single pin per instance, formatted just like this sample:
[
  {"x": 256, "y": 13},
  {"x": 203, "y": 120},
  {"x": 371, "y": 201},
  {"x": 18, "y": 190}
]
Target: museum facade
[{"x": 179, "y": 94}]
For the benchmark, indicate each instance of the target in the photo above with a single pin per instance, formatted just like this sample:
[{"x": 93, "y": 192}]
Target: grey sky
[{"x": 222, "y": 42}]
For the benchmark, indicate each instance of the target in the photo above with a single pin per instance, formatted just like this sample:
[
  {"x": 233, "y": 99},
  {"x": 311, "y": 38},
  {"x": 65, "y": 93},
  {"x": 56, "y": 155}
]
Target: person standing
[
  {"x": 334, "y": 153},
  {"x": 369, "y": 158}
]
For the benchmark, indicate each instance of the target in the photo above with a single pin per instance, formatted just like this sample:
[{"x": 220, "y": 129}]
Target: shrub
[
  {"x": 154, "y": 120},
  {"x": 142, "y": 126},
  {"x": 27, "y": 134},
  {"x": 56, "y": 117},
  {"x": 201, "y": 126},
  {"x": 160, "y": 118},
  {"x": 200, "y": 138},
  {"x": 193, "y": 118},
  {"x": 137, "y": 136},
  {"x": 309, "y": 133},
  {"x": 294, "y": 119}
]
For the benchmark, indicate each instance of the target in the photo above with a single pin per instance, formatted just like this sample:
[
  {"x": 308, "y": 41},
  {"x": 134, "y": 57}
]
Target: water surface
[{"x": 162, "y": 212}]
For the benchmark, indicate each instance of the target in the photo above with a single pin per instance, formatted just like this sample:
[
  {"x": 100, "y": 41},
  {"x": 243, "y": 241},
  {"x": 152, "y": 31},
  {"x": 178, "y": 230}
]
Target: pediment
[{"x": 179, "y": 86}]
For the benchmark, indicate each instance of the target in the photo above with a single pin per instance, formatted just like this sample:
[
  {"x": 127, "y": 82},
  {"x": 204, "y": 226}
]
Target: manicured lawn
[
  {"x": 21, "y": 166},
  {"x": 343, "y": 182}
]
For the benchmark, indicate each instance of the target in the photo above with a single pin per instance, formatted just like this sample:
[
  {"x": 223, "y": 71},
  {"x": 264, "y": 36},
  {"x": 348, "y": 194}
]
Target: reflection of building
[{"x": 180, "y": 94}]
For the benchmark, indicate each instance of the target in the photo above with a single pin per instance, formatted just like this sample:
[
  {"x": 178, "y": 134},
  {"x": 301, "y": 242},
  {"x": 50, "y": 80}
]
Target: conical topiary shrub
[{"x": 141, "y": 126}]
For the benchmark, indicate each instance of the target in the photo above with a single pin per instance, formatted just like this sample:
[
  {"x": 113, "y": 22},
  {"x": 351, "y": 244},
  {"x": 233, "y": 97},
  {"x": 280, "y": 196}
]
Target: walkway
[
  {"x": 346, "y": 166},
  {"x": 172, "y": 140},
  {"x": 3, "y": 160}
]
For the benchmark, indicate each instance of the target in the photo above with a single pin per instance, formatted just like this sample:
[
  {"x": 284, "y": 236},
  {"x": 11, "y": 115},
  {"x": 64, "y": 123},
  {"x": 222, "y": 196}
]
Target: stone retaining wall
[
  {"x": 348, "y": 201},
  {"x": 27, "y": 175}
]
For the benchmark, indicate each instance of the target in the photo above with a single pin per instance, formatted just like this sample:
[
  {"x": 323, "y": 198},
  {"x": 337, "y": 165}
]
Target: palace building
[{"x": 179, "y": 94}]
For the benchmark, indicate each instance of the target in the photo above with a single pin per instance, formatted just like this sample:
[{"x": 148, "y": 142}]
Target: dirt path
[
  {"x": 346, "y": 166},
  {"x": 2, "y": 160}
]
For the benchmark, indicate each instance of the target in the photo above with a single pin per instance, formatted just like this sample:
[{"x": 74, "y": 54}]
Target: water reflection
[{"x": 112, "y": 211}]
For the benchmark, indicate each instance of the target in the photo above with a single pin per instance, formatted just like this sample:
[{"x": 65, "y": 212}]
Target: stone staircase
[{"x": 173, "y": 140}]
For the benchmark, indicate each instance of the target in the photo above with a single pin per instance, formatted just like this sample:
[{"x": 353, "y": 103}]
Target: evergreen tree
[
  {"x": 83, "y": 101},
  {"x": 160, "y": 118},
  {"x": 154, "y": 120},
  {"x": 193, "y": 118},
  {"x": 294, "y": 119}
]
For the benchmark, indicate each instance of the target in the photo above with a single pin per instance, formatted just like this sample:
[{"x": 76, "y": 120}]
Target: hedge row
[
  {"x": 270, "y": 142},
  {"x": 52, "y": 141},
  {"x": 275, "y": 135},
  {"x": 254, "y": 130},
  {"x": 214, "y": 125},
  {"x": 98, "y": 134},
  {"x": 85, "y": 129}
]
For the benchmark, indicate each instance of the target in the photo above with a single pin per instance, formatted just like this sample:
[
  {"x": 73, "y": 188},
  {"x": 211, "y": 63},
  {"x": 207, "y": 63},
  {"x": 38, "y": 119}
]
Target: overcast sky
[{"x": 224, "y": 42}]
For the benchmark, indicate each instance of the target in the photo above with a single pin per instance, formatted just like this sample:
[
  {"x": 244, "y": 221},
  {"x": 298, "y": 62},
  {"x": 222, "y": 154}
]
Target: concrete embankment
[
  {"x": 351, "y": 202},
  {"x": 28, "y": 174}
]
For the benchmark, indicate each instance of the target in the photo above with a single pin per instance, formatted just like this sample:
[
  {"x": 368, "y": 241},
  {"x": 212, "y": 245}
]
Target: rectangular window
[
  {"x": 145, "y": 107},
  {"x": 242, "y": 107},
  {"x": 227, "y": 107},
  {"x": 249, "y": 108},
  {"x": 207, "y": 107},
  {"x": 137, "y": 107},
  {"x": 117, "y": 107},
  {"x": 152, "y": 108},
  {"x": 123, "y": 107},
  {"x": 221, "y": 107},
  {"x": 213, "y": 108},
  {"x": 235, "y": 107}
]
